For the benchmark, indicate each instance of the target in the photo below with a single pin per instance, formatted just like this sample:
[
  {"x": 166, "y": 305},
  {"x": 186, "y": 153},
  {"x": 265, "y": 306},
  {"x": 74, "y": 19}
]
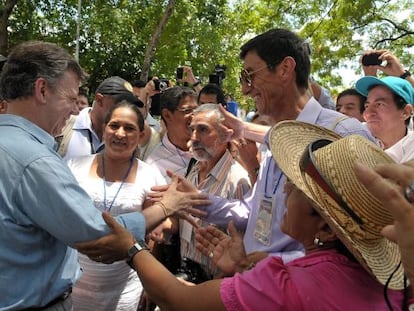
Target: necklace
[{"x": 122, "y": 183}]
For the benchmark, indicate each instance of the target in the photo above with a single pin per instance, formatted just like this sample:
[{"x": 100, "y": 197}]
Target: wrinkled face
[
  {"x": 300, "y": 221},
  {"x": 204, "y": 143},
  {"x": 381, "y": 112},
  {"x": 207, "y": 99},
  {"x": 122, "y": 134},
  {"x": 265, "y": 87},
  {"x": 180, "y": 118},
  {"x": 350, "y": 106},
  {"x": 61, "y": 102}
]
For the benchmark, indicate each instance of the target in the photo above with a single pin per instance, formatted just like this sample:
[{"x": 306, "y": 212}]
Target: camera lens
[{"x": 163, "y": 86}]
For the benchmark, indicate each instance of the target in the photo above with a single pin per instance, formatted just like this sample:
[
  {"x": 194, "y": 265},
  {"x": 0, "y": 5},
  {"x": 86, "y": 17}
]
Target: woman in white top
[{"x": 118, "y": 183}]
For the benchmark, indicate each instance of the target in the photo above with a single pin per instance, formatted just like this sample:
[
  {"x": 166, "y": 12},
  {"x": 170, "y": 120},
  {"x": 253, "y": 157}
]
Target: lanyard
[
  {"x": 276, "y": 185},
  {"x": 122, "y": 183}
]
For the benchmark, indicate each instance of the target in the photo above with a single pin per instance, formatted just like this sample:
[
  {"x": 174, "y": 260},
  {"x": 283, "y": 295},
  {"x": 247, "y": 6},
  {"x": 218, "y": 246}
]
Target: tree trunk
[
  {"x": 4, "y": 22},
  {"x": 149, "y": 53}
]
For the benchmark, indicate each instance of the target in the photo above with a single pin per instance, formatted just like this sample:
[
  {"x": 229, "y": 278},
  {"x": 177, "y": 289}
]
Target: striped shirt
[{"x": 227, "y": 179}]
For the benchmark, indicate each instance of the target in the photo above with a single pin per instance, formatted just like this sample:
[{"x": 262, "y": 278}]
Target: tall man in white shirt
[{"x": 82, "y": 134}]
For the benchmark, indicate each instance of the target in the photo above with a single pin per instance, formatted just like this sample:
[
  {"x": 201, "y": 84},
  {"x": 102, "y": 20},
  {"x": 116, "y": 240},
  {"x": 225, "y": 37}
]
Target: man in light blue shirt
[
  {"x": 276, "y": 74},
  {"x": 43, "y": 210}
]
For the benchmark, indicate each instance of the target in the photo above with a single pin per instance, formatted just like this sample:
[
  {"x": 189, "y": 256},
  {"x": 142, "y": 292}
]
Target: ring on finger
[{"x": 409, "y": 192}]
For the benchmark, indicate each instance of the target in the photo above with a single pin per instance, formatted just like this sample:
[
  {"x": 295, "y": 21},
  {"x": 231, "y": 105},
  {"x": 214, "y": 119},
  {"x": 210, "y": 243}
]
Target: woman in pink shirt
[{"x": 348, "y": 264}]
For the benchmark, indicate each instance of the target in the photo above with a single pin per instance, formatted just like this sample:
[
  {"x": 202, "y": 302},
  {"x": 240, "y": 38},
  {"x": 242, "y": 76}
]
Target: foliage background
[{"x": 114, "y": 34}]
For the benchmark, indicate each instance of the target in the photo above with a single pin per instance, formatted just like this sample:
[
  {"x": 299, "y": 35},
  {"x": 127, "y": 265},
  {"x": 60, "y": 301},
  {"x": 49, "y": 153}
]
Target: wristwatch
[
  {"x": 405, "y": 75},
  {"x": 135, "y": 249}
]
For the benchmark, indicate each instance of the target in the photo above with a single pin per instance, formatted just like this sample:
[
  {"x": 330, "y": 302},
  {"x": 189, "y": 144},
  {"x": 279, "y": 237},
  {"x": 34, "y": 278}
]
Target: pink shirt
[{"x": 324, "y": 280}]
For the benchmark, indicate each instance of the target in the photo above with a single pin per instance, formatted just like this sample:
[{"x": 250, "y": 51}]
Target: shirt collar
[{"x": 31, "y": 128}]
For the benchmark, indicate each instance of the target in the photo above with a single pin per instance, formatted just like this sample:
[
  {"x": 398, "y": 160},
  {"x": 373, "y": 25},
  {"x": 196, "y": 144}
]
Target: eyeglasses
[
  {"x": 186, "y": 111},
  {"x": 246, "y": 77},
  {"x": 308, "y": 165}
]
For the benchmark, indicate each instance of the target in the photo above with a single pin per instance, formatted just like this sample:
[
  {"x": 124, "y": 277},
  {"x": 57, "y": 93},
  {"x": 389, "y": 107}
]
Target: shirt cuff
[{"x": 135, "y": 223}]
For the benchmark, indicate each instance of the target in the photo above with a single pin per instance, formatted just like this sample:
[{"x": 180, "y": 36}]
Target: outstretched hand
[
  {"x": 111, "y": 247},
  {"x": 181, "y": 195},
  {"x": 227, "y": 252},
  {"x": 182, "y": 184}
]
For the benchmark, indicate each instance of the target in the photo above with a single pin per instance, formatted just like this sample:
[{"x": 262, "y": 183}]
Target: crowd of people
[{"x": 302, "y": 207}]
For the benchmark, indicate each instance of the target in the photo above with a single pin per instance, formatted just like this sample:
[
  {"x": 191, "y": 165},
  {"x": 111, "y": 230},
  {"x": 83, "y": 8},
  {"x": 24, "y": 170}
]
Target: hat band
[{"x": 308, "y": 165}]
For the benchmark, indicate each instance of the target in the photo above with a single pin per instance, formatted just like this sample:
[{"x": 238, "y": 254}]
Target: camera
[
  {"x": 180, "y": 73},
  {"x": 161, "y": 84},
  {"x": 218, "y": 75},
  {"x": 371, "y": 59},
  {"x": 191, "y": 271}
]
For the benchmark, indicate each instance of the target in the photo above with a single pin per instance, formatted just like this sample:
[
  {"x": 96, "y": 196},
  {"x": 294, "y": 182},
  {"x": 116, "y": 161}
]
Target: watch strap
[
  {"x": 135, "y": 249},
  {"x": 405, "y": 75}
]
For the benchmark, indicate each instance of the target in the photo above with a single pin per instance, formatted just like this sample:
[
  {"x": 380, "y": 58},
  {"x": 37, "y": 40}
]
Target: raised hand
[
  {"x": 227, "y": 252},
  {"x": 392, "y": 196}
]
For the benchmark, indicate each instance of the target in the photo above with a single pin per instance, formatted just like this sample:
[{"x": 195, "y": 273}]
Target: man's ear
[
  {"x": 166, "y": 115},
  {"x": 99, "y": 99},
  {"x": 407, "y": 111},
  {"x": 287, "y": 66},
  {"x": 41, "y": 90}
]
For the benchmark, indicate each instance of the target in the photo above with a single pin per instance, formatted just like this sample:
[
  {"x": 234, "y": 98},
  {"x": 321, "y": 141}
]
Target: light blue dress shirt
[
  {"x": 42, "y": 211},
  {"x": 270, "y": 182}
]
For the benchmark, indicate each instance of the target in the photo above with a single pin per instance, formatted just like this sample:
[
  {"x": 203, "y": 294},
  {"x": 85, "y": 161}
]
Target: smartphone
[
  {"x": 180, "y": 73},
  {"x": 371, "y": 59}
]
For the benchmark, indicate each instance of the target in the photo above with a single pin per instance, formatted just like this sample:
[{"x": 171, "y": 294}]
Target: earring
[{"x": 317, "y": 241}]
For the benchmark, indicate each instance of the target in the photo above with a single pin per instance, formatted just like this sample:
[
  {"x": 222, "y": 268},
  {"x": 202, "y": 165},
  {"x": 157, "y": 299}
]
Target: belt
[{"x": 55, "y": 301}]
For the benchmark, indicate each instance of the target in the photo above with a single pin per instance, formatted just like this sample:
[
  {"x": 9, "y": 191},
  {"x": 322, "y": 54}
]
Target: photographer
[
  {"x": 218, "y": 75},
  {"x": 186, "y": 77},
  {"x": 385, "y": 61}
]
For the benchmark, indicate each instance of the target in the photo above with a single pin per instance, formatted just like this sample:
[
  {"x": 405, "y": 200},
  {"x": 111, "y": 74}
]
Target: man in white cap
[{"x": 82, "y": 134}]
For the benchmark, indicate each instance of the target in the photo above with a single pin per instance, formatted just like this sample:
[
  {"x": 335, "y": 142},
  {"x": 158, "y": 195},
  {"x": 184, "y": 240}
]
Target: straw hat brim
[{"x": 380, "y": 257}]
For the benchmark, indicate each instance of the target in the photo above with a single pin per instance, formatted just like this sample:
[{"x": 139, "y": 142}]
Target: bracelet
[
  {"x": 164, "y": 208},
  {"x": 405, "y": 75}
]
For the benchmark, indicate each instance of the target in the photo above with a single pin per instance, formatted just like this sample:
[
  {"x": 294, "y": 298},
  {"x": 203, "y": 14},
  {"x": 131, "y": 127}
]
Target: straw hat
[{"x": 288, "y": 142}]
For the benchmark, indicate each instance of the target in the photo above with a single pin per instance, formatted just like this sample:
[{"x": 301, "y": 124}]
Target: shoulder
[
  {"x": 80, "y": 163},
  {"x": 159, "y": 152},
  {"x": 268, "y": 285},
  {"x": 343, "y": 124}
]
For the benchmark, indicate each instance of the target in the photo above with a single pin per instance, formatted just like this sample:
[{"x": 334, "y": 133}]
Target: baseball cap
[
  {"x": 399, "y": 86},
  {"x": 119, "y": 89}
]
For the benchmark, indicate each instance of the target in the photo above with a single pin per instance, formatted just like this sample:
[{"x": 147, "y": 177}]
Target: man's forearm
[{"x": 255, "y": 132}]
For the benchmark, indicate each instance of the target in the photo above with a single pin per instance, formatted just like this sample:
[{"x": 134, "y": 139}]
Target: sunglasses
[
  {"x": 308, "y": 165},
  {"x": 246, "y": 76},
  {"x": 186, "y": 111}
]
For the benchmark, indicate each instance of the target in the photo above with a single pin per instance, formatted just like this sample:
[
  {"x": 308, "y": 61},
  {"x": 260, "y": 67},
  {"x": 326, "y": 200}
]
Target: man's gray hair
[
  {"x": 32, "y": 60},
  {"x": 210, "y": 109}
]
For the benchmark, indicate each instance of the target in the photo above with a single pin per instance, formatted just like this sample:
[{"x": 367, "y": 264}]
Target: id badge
[
  {"x": 263, "y": 228},
  {"x": 186, "y": 231}
]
